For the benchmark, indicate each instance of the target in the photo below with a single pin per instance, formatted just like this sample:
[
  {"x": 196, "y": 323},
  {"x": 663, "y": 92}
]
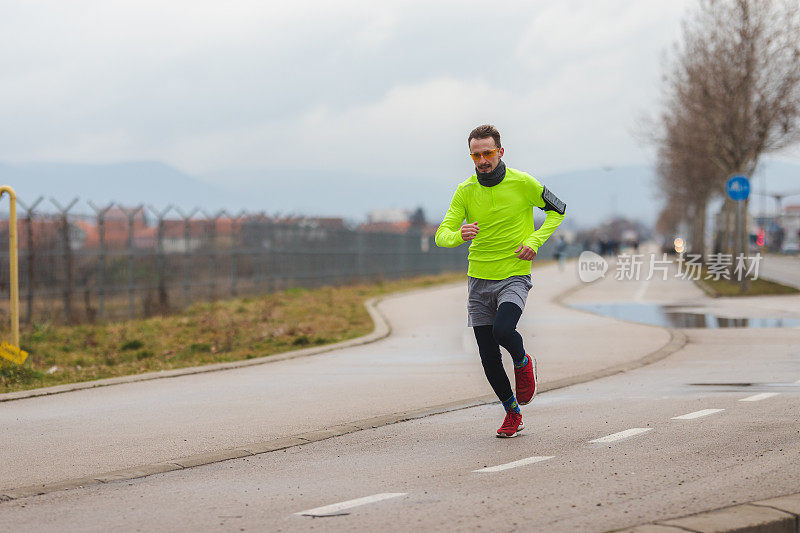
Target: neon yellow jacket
[{"x": 504, "y": 214}]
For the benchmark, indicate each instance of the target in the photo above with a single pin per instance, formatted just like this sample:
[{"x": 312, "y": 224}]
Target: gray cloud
[{"x": 383, "y": 89}]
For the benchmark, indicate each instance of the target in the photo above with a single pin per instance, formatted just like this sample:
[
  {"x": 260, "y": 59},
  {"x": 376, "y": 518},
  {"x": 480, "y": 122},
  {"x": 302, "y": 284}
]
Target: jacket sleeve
[
  {"x": 553, "y": 218},
  {"x": 448, "y": 235}
]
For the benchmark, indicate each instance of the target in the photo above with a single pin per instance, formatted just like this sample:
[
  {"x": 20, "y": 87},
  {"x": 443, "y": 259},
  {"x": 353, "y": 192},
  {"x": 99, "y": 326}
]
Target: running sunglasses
[{"x": 476, "y": 156}]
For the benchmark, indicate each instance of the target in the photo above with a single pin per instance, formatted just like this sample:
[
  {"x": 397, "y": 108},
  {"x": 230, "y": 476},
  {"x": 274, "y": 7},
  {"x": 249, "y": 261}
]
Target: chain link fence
[{"x": 116, "y": 262}]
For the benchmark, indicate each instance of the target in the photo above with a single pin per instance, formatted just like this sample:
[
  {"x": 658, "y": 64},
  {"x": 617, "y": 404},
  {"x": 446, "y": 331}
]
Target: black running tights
[{"x": 502, "y": 333}]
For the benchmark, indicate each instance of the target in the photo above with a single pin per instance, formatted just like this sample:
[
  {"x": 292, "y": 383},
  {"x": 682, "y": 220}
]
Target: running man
[{"x": 497, "y": 203}]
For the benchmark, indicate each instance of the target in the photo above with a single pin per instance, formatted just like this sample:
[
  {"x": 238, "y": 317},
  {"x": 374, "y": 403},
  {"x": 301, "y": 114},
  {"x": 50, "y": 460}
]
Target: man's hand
[
  {"x": 525, "y": 253},
  {"x": 469, "y": 231}
]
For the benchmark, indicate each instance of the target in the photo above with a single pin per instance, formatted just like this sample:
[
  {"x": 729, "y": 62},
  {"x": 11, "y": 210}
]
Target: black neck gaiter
[{"x": 490, "y": 179}]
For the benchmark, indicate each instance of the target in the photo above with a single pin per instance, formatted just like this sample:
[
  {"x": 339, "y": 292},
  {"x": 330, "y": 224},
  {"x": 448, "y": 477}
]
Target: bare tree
[
  {"x": 732, "y": 94},
  {"x": 686, "y": 174}
]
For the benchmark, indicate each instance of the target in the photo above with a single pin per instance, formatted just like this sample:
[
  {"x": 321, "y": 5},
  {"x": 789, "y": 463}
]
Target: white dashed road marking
[
  {"x": 514, "y": 464},
  {"x": 621, "y": 435},
  {"x": 758, "y": 397},
  {"x": 697, "y": 414},
  {"x": 338, "y": 507}
]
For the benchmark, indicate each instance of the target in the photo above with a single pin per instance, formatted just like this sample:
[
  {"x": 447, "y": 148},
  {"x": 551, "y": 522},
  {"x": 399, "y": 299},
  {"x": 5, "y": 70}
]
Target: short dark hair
[{"x": 484, "y": 131}]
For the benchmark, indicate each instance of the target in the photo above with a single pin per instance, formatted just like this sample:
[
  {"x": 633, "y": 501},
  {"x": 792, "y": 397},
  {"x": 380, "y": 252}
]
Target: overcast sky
[{"x": 228, "y": 89}]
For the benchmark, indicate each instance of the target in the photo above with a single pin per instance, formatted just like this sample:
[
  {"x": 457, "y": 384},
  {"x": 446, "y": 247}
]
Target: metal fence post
[
  {"x": 187, "y": 218},
  {"x": 257, "y": 237},
  {"x": 275, "y": 259},
  {"x": 211, "y": 221},
  {"x": 131, "y": 215},
  {"x": 66, "y": 250},
  {"x": 161, "y": 282},
  {"x": 101, "y": 259},
  {"x": 360, "y": 260},
  {"x": 29, "y": 271},
  {"x": 235, "y": 242}
]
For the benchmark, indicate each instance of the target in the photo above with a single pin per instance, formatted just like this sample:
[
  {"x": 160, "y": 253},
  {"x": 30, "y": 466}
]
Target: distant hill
[
  {"x": 594, "y": 195},
  {"x": 129, "y": 183},
  {"x": 591, "y": 195}
]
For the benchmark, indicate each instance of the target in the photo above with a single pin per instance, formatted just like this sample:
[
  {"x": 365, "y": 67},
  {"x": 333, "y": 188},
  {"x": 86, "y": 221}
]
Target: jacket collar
[{"x": 490, "y": 179}]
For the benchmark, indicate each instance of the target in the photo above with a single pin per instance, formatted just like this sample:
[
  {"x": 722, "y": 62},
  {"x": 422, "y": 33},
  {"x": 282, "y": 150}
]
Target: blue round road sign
[{"x": 738, "y": 188}]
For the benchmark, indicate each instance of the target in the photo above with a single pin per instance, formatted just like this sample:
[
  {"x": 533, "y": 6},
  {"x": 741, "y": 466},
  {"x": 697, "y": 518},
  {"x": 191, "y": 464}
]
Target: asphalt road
[
  {"x": 429, "y": 359},
  {"x": 781, "y": 268},
  {"x": 743, "y": 450},
  {"x": 603, "y": 455}
]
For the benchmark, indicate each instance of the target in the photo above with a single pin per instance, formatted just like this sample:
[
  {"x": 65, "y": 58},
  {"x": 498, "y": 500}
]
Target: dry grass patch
[
  {"x": 205, "y": 333},
  {"x": 755, "y": 287}
]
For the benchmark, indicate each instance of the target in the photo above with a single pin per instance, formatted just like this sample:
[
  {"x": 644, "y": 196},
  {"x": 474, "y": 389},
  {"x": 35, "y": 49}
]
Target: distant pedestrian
[
  {"x": 561, "y": 252},
  {"x": 497, "y": 203}
]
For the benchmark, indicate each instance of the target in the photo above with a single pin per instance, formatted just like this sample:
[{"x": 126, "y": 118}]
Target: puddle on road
[{"x": 669, "y": 316}]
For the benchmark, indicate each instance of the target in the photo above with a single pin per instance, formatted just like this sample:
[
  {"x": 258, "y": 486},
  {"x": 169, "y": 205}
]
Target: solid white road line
[
  {"x": 514, "y": 464},
  {"x": 758, "y": 397},
  {"x": 697, "y": 414},
  {"x": 337, "y": 507},
  {"x": 621, "y": 435}
]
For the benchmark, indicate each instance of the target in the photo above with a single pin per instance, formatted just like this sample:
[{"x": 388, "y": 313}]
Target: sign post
[
  {"x": 738, "y": 188},
  {"x": 12, "y": 351}
]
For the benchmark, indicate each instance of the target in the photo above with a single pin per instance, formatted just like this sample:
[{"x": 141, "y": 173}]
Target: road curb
[
  {"x": 775, "y": 515},
  {"x": 677, "y": 340},
  {"x": 706, "y": 288}
]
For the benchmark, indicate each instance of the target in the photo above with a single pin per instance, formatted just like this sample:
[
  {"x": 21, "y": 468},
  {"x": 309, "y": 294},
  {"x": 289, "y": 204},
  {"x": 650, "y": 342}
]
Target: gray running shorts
[{"x": 486, "y": 295}]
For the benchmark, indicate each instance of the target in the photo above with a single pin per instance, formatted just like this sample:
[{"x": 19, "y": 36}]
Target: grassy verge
[
  {"x": 757, "y": 287},
  {"x": 230, "y": 330}
]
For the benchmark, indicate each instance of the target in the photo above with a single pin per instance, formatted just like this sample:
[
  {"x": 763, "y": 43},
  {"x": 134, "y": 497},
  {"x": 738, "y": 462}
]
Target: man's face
[{"x": 478, "y": 146}]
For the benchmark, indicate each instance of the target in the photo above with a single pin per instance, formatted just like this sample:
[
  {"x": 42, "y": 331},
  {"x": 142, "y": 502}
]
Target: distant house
[
  {"x": 391, "y": 220},
  {"x": 188, "y": 235},
  {"x": 276, "y": 233},
  {"x": 116, "y": 231},
  {"x": 47, "y": 233},
  {"x": 326, "y": 222},
  {"x": 790, "y": 221},
  {"x": 386, "y": 227},
  {"x": 792, "y": 211},
  {"x": 397, "y": 221},
  {"x": 391, "y": 215},
  {"x": 183, "y": 236}
]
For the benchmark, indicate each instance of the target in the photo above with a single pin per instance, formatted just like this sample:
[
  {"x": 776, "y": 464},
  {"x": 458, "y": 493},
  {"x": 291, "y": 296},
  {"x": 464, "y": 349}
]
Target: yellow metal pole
[{"x": 12, "y": 249}]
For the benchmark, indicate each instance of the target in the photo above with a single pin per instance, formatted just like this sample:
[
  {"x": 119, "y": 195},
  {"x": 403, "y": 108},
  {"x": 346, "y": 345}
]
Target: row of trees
[{"x": 731, "y": 94}]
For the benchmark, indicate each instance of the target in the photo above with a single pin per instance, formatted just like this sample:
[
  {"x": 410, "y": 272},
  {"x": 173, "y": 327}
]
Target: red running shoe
[
  {"x": 525, "y": 378},
  {"x": 511, "y": 425}
]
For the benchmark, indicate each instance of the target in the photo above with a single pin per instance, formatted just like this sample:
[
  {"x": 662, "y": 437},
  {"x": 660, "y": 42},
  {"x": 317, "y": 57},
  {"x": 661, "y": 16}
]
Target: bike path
[{"x": 429, "y": 359}]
